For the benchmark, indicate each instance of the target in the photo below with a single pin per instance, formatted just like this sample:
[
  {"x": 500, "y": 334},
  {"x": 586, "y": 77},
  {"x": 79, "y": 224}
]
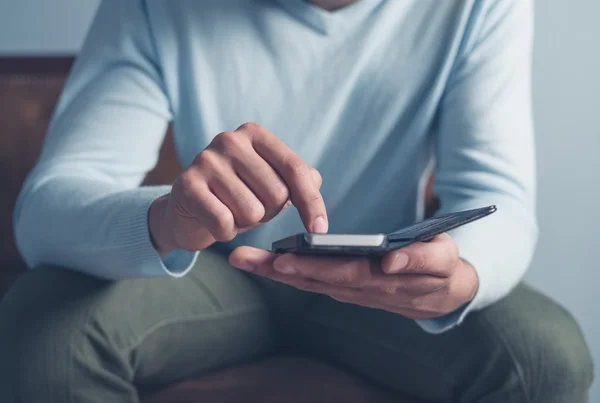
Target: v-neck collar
[{"x": 330, "y": 22}]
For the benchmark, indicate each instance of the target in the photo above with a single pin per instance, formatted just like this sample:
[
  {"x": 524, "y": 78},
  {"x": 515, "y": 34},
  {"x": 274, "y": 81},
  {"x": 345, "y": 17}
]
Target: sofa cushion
[
  {"x": 29, "y": 90},
  {"x": 280, "y": 379}
]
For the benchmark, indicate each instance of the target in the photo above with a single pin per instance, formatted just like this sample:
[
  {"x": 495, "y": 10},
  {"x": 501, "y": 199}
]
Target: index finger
[
  {"x": 332, "y": 270},
  {"x": 304, "y": 191}
]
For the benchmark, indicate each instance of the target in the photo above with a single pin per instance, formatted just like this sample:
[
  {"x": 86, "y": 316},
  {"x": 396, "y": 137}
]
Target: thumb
[{"x": 254, "y": 260}]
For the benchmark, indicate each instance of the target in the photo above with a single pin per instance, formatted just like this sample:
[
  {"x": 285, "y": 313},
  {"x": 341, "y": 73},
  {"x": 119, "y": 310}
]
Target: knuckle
[
  {"x": 449, "y": 259},
  {"x": 225, "y": 235},
  {"x": 224, "y": 227},
  {"x": 341, "y": 279},
  {"x": 444, "y": 236},
  {"x": 224, "y": 219},
  {"x": 250, "y": 127},
  {"x": 294, "y": 165},
  {"x": 207, "y": 159},
  {"x": 449, "y": 248},
  {"x": 187, "y": 186},
  {"x": 256, "y": 212},
  {"x": 388, "y": 288},
  {"x": 251, "y": 212},
  {"x": 223, "y": 137},
  {"x": 346, "y": 277},
  {"x": 186, "y": 181},
  {"x": 221, "y": 235},
  {"x": 229, "y": 141},
  {"x": 279, "y": 194},
  {"x": 402, "y": 286},
  {"x": 317, "y": 177},
  {"x": 452, "y": 252},
  {"x": 314, "y": 198}
]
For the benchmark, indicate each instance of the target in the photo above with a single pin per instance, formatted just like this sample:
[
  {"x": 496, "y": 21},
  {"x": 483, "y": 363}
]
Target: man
[{"x": 355, "y": 100}]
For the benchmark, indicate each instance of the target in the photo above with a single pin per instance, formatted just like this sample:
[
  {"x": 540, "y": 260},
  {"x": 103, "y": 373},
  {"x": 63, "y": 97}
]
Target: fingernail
[
  {"x": 400, "y": 262},
  {"x": 320, "y": 226},
  {"x": 286, "y": 270}
]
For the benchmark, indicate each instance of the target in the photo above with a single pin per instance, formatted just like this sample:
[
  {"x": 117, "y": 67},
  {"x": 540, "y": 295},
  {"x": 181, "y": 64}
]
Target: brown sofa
[{"x": 28, "y": 92}]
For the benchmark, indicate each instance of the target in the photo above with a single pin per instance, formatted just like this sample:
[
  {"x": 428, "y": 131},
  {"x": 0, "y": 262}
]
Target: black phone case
[{"x": 420, "y": 232}]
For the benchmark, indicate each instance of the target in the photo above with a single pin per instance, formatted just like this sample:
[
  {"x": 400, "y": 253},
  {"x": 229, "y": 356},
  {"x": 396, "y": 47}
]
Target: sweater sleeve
[
  {"x": 82, "y": 207},
  {"x": 485, "y": 152}
]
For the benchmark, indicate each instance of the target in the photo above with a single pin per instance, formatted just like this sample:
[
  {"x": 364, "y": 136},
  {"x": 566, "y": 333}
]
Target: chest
[{"x": 344, "y": 91}]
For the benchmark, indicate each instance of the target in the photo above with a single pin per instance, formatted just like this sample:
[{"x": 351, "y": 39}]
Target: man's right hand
[{"x": 241, "y": 180}]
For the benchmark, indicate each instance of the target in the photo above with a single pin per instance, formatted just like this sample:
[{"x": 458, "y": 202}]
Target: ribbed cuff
[
  {"x": 178, "y": 263},
  {"x": 499, "y": 248},
  {"x": 471, "y": 250},
  {"x": 132, "y": 238},
  {"x": 483, "y": 297}
]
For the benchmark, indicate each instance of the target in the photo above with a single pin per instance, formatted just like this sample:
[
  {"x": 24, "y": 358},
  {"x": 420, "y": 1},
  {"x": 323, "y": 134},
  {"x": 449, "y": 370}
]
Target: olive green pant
[{"x": 69, "y": 338}]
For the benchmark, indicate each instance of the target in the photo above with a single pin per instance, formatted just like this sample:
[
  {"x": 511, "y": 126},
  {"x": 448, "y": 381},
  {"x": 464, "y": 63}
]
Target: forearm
[
  {"x": 485, "y": 151},
  {"x": 90, "y": 225},
  {"x": 499, "y": 248}
]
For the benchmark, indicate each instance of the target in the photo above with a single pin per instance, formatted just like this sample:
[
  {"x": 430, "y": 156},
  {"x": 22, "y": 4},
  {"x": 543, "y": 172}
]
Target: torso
[{"x": 354, "y": 93}]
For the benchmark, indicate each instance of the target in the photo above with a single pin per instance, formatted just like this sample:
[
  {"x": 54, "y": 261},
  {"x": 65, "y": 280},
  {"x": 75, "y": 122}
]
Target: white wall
[
  {"x": 44, "y": 26},
  {"x": 567, "y": 115},
  {"x": 567, "y": 112}
]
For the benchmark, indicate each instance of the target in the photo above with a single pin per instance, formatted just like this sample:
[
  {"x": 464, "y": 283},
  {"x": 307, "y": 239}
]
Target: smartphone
[{"x": 377, "y": 244}]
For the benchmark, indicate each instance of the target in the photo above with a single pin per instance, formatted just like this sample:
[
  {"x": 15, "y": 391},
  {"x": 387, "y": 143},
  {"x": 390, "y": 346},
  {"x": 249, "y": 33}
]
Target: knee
[
  {"x": 549, "y": 352},
  {"x": 41, "y": 319},
  {"x": 559, "y": 359}
]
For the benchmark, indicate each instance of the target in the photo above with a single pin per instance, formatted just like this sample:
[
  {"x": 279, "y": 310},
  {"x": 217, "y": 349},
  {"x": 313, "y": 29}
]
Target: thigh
[
  {"x": 79, "y": 330},
  {"x": 525, "y": 348}
]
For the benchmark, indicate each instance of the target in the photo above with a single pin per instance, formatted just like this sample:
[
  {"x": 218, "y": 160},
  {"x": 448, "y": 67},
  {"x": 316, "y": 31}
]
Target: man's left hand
[{"x": 420, "y": 281}]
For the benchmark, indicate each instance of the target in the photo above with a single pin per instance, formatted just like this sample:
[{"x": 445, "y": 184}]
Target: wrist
[
  {"x": 156, "y": 227},
  {"x": 472, "y": 280}
]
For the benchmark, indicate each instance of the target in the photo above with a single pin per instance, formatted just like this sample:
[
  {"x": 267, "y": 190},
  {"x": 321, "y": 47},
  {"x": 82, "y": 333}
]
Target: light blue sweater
[{"x": 372, "y": 95}]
